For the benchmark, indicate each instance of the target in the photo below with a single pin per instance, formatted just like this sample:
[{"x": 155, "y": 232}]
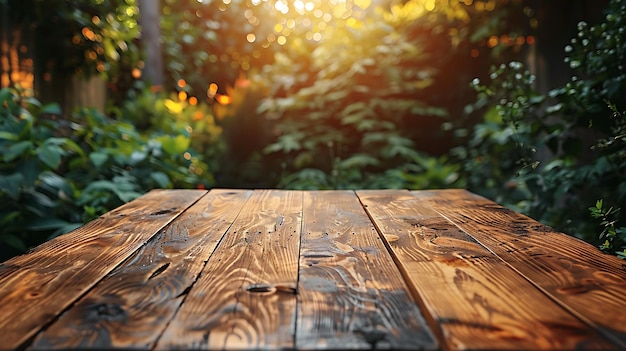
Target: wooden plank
[
  {"x": 350, "y": 293},
  {"x": 37, "y": 287},
  {"x": 245, "y": 297},
  {"x": 132, "y": 305},
  {"x": 472, "y": 297},
  {"x": 578, "y": 276}
]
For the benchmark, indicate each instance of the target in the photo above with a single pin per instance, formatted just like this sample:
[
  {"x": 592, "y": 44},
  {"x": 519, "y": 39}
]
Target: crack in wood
[
  {"x": 162, "y": 212},
  {"x": 159, "y": 270}
]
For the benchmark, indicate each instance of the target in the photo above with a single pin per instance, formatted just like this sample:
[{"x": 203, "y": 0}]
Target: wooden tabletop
[{"x": 274, "y": 269}]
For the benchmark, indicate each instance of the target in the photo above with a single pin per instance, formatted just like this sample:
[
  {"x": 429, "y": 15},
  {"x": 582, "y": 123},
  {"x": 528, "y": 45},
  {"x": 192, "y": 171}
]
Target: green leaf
[
  {"x": 55, "y": 184},
  {"x": 303, "y": 159},
  {"x": 8, "y": 136},
  {"x": 6, "y": 94},
  {"x": 14, "y": 242},
  {"x": 359, "y": 161},
  {"x": 354, "y": 107},
  {"x": 16, "y": 150},
  {"x": 53, "y": 109},
  {"x": 70, "y": 145},
  {"x": 48, "y": 223},
  {"x": 364, "y": 125},
  {"x": 118, "y": 186},
  {"x": 286, "y": 143},
  {"x": 355, "y": 117},
  {"x": 98, "y": 158},
  {"x": 174, "y": 145},
  {"x": 29, "y": 168},
  {"x": 492, "y": 115},
  {"x": 337, "y": 95},
  {"x": 11, "y": 184},
  {"x": 160, "y": 178},
  {"x": 7, "y": 217},
  {"x": 50, "y": 155},
  {"x": 374, "y": 138}
]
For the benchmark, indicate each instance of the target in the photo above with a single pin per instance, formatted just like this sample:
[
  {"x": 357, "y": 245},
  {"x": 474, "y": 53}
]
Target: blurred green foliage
[
  {"x": 266, "y": 94},
  {"x": 56, "y": 174},
  {"x": 551, "y": 156},
  {"x": 77, "y": 36},
  {"x": 206, "y": 42},
  {"x": 340, "y": 114}
]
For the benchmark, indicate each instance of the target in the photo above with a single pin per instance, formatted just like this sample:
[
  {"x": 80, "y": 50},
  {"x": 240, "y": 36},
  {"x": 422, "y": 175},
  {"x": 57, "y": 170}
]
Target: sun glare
[{"x": 307, "y": 19}]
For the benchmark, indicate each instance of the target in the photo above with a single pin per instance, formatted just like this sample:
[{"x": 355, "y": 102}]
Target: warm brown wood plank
[
  {"x": 350, "y": 293},
  {"x": 245, "y": 297},
  {"x": 587, "y": 282},
  {"x": 476, "y": 300},
  {"x": 36, "y": 287},
  {"x": 132, "y": 305}
]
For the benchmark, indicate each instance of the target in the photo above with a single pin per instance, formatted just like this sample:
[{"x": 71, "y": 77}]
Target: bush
[
  {"x": 553, "y": 156},
  {"x": 55, "y": 175},
  {"x": 340, "y": 115}
]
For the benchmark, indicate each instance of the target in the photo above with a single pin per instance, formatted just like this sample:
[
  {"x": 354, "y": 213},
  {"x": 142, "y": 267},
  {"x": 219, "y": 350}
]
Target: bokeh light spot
[
  {"x": 223, "y": 99},
  {"x": 212, "y": 90},
  {"x": 88, "y": 33}
]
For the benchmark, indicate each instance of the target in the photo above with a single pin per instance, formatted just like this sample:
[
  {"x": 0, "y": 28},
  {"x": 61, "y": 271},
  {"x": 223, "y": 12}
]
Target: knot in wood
[{"x": 106, "y": 311}]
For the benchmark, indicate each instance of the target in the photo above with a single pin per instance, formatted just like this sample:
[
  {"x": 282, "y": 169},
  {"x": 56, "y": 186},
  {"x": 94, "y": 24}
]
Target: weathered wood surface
[
  {"x": 351, "y": 294},
  {"x": 272, "y": 269},
  {"x": 132, "y": 305},
  {"x": 35, "y": 288},
  {"x": 473, "y": 298},
  {"x": 246, "y": 295},
  {"x": 576, "y": 275}
]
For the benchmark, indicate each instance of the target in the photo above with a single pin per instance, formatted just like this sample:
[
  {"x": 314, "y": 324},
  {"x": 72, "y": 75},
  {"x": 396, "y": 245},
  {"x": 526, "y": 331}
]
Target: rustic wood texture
[
  {"x": 272, "y": 269},
  {"x": 38, "y": 286},
  {"x": 573, "y": 273},
  {"x": 475, "y": 300},
  {"x": 132, "y": 305},
  {"x": 245, "y": 297},
  {"x": 350, "y": 293}
]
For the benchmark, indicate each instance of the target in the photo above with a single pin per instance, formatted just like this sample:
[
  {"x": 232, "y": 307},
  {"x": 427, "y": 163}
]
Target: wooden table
[{"x": 272, "y": 269}]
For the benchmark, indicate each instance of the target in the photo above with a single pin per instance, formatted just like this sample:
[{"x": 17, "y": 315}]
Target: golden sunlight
[{"x": 306, "y": 19}]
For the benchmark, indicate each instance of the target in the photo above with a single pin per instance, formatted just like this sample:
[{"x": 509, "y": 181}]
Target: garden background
[{"x": 520, "y": 101}]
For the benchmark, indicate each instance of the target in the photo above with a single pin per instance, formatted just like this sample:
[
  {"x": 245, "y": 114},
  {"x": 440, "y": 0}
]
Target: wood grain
[
  {"x": 245, "y": 297},
  {"x": 132, "y": 305},
  {"x": 350, "y": 293},
  {"x": 38, "y": 286},
  {"x": 474, "y": 299},
  {"x": 579, "y": 277}
]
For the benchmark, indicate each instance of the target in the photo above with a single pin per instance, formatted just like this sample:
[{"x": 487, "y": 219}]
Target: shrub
[
  {"x": 553, "y": 156},
  {"x": 55, "y": 175},
  {"x": 340, "y": 108}
]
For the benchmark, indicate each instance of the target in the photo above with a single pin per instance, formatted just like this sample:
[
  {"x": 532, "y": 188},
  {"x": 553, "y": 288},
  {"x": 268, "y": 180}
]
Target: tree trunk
[{"x": 150, "y": 41}]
